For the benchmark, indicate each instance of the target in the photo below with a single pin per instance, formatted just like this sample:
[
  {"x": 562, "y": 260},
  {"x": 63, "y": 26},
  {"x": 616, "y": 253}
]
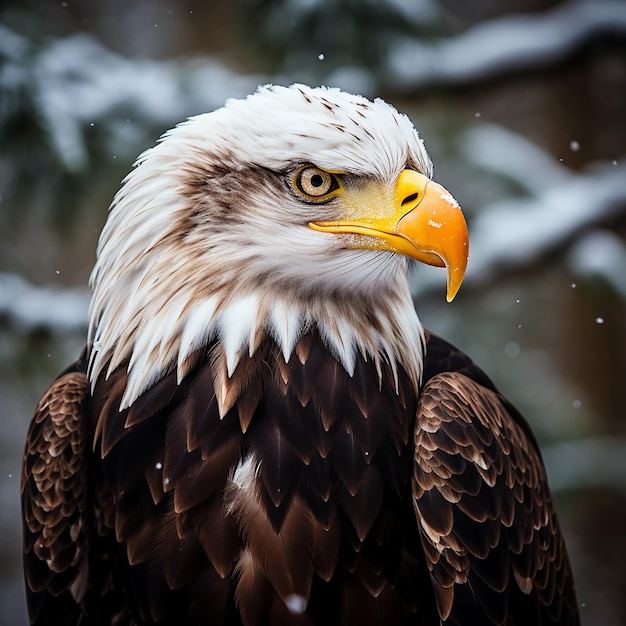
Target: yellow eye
[{"x": 315, "y": 183}]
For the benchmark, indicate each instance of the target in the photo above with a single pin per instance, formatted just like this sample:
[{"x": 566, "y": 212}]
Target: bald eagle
[{"x": 260, "y": 431}]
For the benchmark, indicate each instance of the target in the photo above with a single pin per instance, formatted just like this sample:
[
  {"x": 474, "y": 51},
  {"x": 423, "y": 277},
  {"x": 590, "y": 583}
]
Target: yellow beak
[{"x": 423, "y": 221}]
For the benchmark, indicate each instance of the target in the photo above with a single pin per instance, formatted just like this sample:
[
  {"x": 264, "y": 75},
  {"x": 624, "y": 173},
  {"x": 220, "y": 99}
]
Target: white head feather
[{"x": 206, "y": 241}]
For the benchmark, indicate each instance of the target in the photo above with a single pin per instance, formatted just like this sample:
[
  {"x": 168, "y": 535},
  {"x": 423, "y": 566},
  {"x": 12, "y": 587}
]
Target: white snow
[
  {"x": 504, "y": 44},
  {"x": 73, "y": 79},
  {"x": 558, "y": 206},
  {"x": 507, "y": 154},
  {"x": 600, "y": 254},
  {"x": 29, "y": 306},
  {"x": 78, "y": 83},
  {"x": 295, "y": 603},
  {"x": 516, "y": 231}
]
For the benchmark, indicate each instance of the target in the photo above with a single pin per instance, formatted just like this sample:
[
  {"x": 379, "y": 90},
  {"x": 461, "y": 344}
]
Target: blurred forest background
[{"x": 522, "y": 105}]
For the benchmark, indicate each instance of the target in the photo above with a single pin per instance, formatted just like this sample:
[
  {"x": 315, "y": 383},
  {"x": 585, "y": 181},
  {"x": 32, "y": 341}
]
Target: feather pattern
[
  {"x": 303, "y": 517},
  {"x": 483, "y": 505},
  {"x": 288, "y": 488},
  {"x": 62, "y": 558}
]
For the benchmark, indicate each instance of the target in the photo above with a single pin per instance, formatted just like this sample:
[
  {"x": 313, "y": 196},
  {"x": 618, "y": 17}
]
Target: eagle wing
[
  {"x": 54, "y": 501},
  {"x": 62, "y": 560},
  {"x": 488, "y": 526}
]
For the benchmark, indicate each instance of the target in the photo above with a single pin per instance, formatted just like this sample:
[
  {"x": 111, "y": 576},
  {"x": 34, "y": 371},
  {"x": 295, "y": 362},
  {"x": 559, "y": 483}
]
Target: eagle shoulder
[
  {"x": 54, "y": 500},
  {"x": 67, "y": 570},
  {"x": 487, "y": 520}
]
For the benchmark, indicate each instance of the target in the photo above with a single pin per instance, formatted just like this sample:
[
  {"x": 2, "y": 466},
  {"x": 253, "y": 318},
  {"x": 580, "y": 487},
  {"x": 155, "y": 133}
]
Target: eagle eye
[{"x": 315, "y": 183}]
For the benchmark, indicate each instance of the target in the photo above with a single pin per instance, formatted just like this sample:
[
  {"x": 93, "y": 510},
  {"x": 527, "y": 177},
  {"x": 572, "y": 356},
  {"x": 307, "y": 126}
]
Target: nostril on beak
[{"x": 409, "y": 198}]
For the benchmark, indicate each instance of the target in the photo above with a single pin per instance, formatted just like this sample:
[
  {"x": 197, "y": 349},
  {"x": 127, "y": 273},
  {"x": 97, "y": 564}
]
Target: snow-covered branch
[
  {"x": 600, "y": 253},
  {"x": 516, "y": 232},
  {"x": 77, "y": 85},
  {"x": 560, "y": 207},
  {"x": 503, "y": 45},
  {"x": 28, "y": 307}
]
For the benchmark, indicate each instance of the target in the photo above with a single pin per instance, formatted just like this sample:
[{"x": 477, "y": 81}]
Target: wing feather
[
  {"x": 54, "y": 500},
  {"x": 487, "y": 521}
]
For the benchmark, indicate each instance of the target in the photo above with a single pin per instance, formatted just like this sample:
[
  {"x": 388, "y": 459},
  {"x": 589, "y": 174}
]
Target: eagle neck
[{"x": 385, "y": 331}]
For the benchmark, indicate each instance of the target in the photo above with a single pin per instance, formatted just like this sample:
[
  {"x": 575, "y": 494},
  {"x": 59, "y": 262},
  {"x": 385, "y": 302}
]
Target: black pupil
[{"x": 317, "y": 180}]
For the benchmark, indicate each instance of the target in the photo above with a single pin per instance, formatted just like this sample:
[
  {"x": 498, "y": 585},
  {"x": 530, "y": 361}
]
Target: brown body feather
[{"x": 317, "y": 498}]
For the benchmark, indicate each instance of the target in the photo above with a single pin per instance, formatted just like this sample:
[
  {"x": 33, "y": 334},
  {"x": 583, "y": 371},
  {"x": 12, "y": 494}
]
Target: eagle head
[{"x": 294, "y": 208}]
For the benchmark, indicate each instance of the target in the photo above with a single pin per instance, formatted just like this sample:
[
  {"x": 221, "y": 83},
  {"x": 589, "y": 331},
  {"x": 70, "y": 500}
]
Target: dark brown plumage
[
  {"x": 336, "y": 458},
  {"x": 298, "y": 459}
]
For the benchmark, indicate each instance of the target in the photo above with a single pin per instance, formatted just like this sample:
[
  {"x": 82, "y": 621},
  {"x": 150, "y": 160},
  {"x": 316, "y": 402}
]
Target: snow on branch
[
  {"x": 600, "y": 253},
  {"x": 504, "y": 45},
  {"x": 561, "y": 206},
  {"x": 516, "y": 232},
  {"x": 29, "y": 307},
  {"x": 76, "y": 84},
  {"x": 81, "y": 83}
]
